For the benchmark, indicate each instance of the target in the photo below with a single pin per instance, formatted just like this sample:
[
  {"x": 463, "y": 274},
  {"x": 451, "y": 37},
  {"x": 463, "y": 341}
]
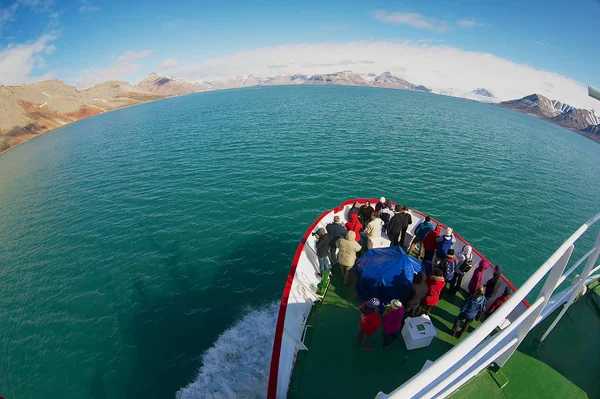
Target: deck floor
[
  {"x": 564, "y": 366},
  {"x": 335, "y": 367}
]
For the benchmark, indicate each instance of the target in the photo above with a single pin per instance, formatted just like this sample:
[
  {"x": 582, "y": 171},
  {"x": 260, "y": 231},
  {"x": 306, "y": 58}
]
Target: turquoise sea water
[{"x": 130, "y": 241}]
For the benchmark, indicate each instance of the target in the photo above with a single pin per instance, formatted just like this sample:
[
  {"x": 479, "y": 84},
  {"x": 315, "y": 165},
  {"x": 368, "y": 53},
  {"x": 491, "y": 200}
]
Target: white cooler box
[{"x": 418, "y": 332}]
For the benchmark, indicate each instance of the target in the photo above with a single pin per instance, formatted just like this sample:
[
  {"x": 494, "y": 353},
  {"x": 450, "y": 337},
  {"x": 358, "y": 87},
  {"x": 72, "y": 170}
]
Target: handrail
[{"x": 437, "y": 377}]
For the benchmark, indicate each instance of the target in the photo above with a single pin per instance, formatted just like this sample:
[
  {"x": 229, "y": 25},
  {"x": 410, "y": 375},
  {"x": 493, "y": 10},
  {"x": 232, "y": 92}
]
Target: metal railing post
[
  {"x": 577, "y": 286},
  {"x": 549, "y": 287}
]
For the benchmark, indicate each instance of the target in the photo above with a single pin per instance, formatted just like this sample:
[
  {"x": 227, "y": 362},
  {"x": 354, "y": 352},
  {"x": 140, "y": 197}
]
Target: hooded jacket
[
  {"x": 473, "y": 306},
  {"x": 435, "y": 284},
  {"x": 464, "y": 260},
  {"x": 369, "y": 322},
  {"x": 477, "y": 277},
  {"x": 348, "y": 248},
  {"x": 497, "y": 303},
  {"x": 392, "y": 320},
  {"x": 422, "y": 229},
  {"x": 430, "y": 240},
  {"x": 493, "y": 284},
  {"x": 355, "y": 226},
  {"x": 322, "y": 246},
  {"x": 418, "y": 290},
  {"x": 444, "y": 244}
]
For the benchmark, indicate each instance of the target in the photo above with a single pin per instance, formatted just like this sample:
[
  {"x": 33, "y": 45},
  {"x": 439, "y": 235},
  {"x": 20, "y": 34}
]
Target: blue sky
[{"x": 77, "y": 40}]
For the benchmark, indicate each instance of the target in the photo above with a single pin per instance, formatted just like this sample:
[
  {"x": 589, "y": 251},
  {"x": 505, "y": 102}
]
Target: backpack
[
  {"x": 448, "y": 269},
  {"x": 445, "y": 245},
  {"x": 466, "y": 266}
]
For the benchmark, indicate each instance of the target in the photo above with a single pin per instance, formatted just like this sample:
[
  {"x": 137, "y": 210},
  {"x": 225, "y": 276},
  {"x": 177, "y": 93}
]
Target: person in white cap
[
  {"x": 382, "y": 204},
  {"x": 445, "y": 242}
]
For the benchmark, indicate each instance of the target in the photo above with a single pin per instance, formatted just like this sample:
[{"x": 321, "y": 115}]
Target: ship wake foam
[{"x": 237, "y": 365}]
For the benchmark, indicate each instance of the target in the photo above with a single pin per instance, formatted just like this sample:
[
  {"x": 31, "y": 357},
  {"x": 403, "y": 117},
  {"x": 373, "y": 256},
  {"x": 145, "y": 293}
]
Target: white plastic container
[{"x": 418, "y": 332}]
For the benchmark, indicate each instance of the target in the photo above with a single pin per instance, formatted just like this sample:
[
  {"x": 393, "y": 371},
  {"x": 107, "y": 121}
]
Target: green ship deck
[
  {"x": 564, "y": 366},
  {"x": 335, "y": 367}
]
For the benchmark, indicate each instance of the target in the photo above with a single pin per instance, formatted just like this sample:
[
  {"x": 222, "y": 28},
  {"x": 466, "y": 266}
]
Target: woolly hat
[
  {"x": 382, "y": 199},
  {"x": 498, "y": 269},
  {"x": 396, "y": 304},
  {"x": 451, "y": 251},
  {"x": 373, "y": 303},
  {"x": 321, "y": 231}
]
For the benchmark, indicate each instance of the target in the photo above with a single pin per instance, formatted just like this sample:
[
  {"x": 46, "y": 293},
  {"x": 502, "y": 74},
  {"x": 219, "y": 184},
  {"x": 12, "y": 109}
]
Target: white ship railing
[{"x": 477, "y": 351}]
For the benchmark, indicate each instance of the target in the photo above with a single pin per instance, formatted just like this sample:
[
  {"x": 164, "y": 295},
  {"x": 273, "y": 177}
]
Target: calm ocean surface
[{"x": 129, "y": 242}]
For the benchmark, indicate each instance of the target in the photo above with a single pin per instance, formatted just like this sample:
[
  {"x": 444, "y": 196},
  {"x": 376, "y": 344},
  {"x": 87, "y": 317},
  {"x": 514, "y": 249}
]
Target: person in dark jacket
[
  {"x": 430, "y": 243},
  {"x": 335, "y": 231},
  {"x": 398, "y": 226},
  {"x": 353, "y": 211},
  {"x": 418, "y": 290},
  {"x": 448, "y": 266},
  {"x": 471, "y": 309},
  {"x": 420, "y": 232},
  {"x": 322, "y": 247},
  {"x": 493, "y": 285},
  {"x": 381, "y": 204},
  {"x": 364, "y": 213},
  {"x": 386, "y": 214}
]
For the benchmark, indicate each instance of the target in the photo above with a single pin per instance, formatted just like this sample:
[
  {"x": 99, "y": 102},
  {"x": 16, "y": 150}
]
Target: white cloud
[
  {"x": 469, "y": 23},
  {"x": 86, "y": 6},
  {"x": 18, "y": 62},
  {"x": 541, "y": 43},
  {"x": 438, "y": 67},
  {"x": 169, "y": 63},
  {"x": 124, "y": 65},
  {"x": 412, "y": 19}
]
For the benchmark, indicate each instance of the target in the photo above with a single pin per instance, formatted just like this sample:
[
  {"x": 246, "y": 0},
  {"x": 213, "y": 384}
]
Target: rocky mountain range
[
  {"x": 29, "y": 110},
  {"x": 579, "y": 120}
]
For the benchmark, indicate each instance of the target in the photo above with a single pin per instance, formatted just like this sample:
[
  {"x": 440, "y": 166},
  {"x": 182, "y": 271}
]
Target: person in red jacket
[
  {"x": 498, "y": 302},
  {"x": 369, "y": 322},
  {"x": 430, "y": 243},
  {"x": 355, "y": 226},
  {"x": 436, "y": 283}
]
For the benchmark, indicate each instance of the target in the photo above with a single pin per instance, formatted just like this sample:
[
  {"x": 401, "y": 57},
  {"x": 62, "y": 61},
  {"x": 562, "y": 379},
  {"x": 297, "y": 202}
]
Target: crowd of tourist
[{"x": 442, "y": 270}]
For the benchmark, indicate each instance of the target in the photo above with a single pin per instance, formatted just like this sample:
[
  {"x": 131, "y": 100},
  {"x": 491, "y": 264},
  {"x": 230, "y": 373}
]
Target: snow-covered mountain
[
  {"x": 483, "y": 92},
  {"x": 554, "y": 111}
]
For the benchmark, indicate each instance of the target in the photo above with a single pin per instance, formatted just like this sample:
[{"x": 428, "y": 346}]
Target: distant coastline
[
  {"x": 43, "y": 107},
  {"x": 42, "y": 133}
]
